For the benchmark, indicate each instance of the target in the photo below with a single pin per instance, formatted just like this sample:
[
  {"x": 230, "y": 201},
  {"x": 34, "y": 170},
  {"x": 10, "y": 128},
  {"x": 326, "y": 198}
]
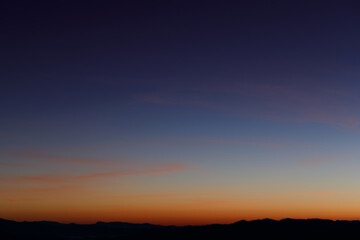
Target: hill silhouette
[{"x": 256, "y": 229}]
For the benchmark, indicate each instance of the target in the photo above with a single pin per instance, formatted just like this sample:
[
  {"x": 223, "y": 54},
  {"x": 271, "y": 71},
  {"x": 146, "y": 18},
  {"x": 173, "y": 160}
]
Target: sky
[{"x": 179, "y": 112}]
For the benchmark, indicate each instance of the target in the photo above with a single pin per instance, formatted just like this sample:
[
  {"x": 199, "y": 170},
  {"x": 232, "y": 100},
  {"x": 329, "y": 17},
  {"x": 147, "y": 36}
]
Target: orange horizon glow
[
  {"x": 153, "y": 194},
  {"x": 84, "y": 206}
]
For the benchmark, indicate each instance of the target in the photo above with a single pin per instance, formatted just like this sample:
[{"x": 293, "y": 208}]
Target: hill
[{"x": 257, "y": 229}]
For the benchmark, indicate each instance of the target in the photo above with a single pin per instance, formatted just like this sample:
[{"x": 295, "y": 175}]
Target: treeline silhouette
[{"x": 257, "y": 229}]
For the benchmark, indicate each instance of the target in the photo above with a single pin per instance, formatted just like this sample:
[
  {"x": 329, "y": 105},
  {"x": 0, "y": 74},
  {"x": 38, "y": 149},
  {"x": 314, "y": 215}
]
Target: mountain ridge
[{"x": 257, "y": 229}]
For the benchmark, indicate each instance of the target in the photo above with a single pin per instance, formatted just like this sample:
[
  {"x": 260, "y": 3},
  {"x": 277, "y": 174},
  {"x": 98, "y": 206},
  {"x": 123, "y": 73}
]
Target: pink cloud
[
  {"x": 324, "y": 192},
  {"x": 351, "y": 122},
  {"x": 276, "y": 102},
  {"x": 60, "y": 178},
  {"x": 241, "y": 142},
  {"x": 41, "y": 155},
  {"x": 15, "y": 200},
  {"x": 326, "y": 159},
  {"x": 51, "y": 189},
  {"x": 165, "y": 169},
  {"x": 141, "y": 196},
  {"x": 43, "y": 191},
  {"x": 312, "y": 162}
]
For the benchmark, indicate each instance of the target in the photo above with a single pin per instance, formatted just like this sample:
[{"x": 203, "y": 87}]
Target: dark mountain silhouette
[{"x": 257, "y": 229}]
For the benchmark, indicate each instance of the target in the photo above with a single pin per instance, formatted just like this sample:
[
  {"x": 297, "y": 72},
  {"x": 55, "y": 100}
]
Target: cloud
[
  {"x": 265, "y": 101},
  {"x": 335, "y": 118},
  {"x": 164, "y": 169},
  {"x": 51, "y": 189},
  {"x": 141, "y": 196},
  {"x": 61, "y": 178},
  {"x": 180, "y": 142},
  {"x": 327, "y": 159},
  {"x": 23, "y": 193},
  {"x": 351, "y": 122},
  {"x": 41, "y": 155},
  {"x": 241, "y": 142},
  {"x": 15, "y": 200},
  {"x": 323, "y": 192},
  {"x": 312, "y": 162}
]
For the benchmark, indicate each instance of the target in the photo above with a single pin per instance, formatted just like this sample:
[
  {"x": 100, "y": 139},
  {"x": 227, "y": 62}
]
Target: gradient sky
[{"x": 179, "y": 112}]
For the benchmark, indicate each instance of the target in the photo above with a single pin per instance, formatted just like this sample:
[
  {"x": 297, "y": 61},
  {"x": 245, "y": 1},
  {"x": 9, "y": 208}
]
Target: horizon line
[{"x": 188, "y": 225}]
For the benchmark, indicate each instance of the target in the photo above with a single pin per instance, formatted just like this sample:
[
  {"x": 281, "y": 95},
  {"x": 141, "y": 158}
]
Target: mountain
[{"x": 256, "y": 229}]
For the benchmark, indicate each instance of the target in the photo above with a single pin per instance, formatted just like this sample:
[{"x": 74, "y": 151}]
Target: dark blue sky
[{"x": 75, "y": 52}]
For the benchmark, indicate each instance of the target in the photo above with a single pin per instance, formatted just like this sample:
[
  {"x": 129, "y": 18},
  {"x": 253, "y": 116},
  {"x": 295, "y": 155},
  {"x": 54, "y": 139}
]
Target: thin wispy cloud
[
  {"x": 323, "y": 160},
  {"x": 44, "y": 156},
  {"x": 140, "y": 196},
  {"x": 42, "y": 190},
  {"x": 64, "y": 178},
  {"x": 324, "y": 192},
  {"x": 257, "y": 143},
  {"x": 266, "y": 101},
  {"x": 22, "y": 200}
]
